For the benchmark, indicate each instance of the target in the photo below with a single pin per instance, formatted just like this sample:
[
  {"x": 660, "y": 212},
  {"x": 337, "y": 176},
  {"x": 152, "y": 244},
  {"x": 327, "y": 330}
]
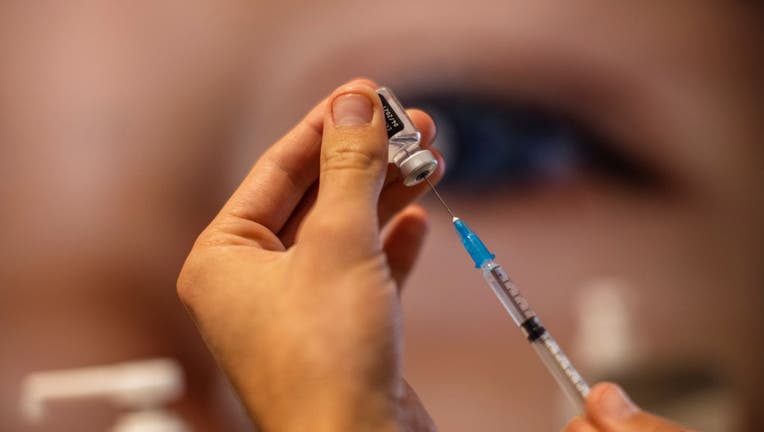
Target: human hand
[
  {"x": 609, "y": 409},
  {"x": 292, "y": 286}
]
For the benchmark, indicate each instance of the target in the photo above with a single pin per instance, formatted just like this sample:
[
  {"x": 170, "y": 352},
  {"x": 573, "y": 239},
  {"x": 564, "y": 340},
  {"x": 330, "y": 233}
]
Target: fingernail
[
  {"x": 615, "y": 405},
  {"x": 352, "y": 109}
]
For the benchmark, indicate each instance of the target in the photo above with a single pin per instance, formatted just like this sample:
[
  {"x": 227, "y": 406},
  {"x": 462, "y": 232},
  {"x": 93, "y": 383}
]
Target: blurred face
[{"x": 672, "y": 89}]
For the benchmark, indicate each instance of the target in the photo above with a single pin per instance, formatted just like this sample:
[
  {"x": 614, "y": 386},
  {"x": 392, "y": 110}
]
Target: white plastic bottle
[{"x": 142, "y": 389}]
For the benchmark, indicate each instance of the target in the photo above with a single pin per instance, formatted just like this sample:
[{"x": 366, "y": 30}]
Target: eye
[{"x": 492, "y": 142}]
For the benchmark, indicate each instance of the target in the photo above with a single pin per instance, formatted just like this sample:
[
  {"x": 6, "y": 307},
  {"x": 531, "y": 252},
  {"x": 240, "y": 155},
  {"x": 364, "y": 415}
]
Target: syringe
[{"x": 518, "y": 308}]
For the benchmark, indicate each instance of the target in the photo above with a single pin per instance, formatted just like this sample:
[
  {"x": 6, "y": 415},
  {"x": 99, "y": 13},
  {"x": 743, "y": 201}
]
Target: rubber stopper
[{"x": 418, "y": 167}]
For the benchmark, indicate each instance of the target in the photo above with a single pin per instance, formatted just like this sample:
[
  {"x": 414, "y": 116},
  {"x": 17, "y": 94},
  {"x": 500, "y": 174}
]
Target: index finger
[{"x": 279, "y": 179}]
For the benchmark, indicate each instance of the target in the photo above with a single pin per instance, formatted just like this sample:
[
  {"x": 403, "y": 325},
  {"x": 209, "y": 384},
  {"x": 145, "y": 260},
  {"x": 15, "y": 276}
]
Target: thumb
[
  {"x": 353, "y": 165},
  {"x": 611, "y": 410}
]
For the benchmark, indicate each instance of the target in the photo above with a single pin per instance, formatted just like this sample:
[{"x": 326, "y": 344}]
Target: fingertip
[
  {"x": 598, "y": 391},
  {"x": 316, "y": 116},
  {"x": 609, "y": 408},
  {"x": 404, "y": 238},
  {"x": 440, "y": 172},
  {"x": 609, "y": 403},
  {"x": 361, "y": 86},
  {"x": 368, "y": 82},
  {"x": 354, "y": 130},
  {"x": 417, "y": 214},
  {"x": 412, "y": 221},
  {"x": 592, "y": 399},
  {"x": 578, "y": 424},
  {"x": 425, "y": 124},
  {"x": 354, "y": 91},
  {"x": 358, "y": 82}
]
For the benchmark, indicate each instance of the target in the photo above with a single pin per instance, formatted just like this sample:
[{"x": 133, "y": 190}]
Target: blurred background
[{"x": 611, "y": 153}]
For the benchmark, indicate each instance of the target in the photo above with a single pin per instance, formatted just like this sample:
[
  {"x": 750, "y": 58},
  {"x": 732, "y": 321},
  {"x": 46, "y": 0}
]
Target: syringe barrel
[
  {"x": 543, "y": 343},
  {"x": 507, "y": 292},
  {"x": 573, "y": 385},
  {"x": 525, "y": 318}
]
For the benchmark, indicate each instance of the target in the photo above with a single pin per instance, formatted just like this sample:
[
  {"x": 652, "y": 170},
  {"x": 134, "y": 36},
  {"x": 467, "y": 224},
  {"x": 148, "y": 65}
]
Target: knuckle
[
  {"x": 349, "y": 158},
  {"x": 184, "y": 286},
  {"x": 237, "y": 231},
  {"x": 362, "y": 80},
  {"x": 188, "y": 285},
  {"x": 329, "y": 227},
  {"x": 359, "y": 148}
]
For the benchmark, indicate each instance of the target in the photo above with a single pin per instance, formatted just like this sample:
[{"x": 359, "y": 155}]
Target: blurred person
[{"x": 124, "y": 126}]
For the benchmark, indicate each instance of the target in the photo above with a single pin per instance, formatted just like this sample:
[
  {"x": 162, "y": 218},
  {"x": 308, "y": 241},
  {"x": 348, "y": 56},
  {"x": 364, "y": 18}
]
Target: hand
[
  {"x": 294, "y": 290},
  {"x": 608, "y": 409}
]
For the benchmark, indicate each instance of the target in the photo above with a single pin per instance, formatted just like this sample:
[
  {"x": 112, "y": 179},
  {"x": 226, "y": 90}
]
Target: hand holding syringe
[{"x": 520, "y": 311}]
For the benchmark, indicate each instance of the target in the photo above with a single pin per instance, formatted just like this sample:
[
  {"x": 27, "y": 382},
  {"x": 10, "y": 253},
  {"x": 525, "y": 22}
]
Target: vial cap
[{"x": 418, "y": 167}]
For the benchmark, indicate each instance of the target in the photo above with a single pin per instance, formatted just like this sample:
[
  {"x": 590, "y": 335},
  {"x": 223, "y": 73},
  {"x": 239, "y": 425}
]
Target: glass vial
[{"x": 403, "y": 138}]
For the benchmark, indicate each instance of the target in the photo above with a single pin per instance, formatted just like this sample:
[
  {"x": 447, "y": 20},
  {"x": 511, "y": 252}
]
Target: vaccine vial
[{"x": 403, "y": 138}]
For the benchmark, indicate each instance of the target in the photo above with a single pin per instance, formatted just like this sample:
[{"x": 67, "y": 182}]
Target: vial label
[{"x": 392, "y": 121}]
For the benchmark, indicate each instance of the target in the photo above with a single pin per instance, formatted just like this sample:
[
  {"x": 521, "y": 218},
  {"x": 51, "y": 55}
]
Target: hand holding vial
[
  {"x": 291, "y": 285},
  {"x": 296, "y": 293}
]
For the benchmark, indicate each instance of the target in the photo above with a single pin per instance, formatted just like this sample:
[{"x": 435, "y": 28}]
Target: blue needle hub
[{"x": 475, "y": 247}]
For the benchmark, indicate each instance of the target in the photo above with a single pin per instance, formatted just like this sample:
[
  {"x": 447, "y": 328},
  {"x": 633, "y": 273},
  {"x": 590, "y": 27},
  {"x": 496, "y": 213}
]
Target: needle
[{"x": 440, "y": 198}]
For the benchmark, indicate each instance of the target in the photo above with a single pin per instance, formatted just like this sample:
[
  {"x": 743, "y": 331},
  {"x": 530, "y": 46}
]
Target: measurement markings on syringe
[
  {"x": 564, "y": 362},
  {"x": 514, "y": 294}
]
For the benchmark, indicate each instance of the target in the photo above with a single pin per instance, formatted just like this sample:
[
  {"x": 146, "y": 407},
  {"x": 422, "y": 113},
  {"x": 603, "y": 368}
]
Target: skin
[
  {"x": 608, "y": 409},
  {"x": 318, "y": 308},
  {"x": 647, "y": 77},
  {"x": 673, "y": 85},
  {"x": 126, "y": 125},
  {"x": 306, "y": 325}
]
